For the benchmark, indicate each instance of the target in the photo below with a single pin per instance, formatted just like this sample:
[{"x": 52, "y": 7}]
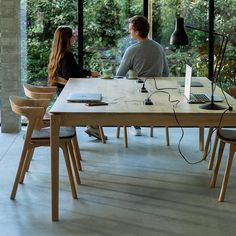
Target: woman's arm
[{"x": 70, "y": 69}]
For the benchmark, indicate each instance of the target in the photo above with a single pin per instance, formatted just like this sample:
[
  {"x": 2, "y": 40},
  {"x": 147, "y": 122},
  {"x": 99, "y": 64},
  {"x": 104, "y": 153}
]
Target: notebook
[
  {"x": 196, "y": 98},
  {"x": 84, "y": 97}
]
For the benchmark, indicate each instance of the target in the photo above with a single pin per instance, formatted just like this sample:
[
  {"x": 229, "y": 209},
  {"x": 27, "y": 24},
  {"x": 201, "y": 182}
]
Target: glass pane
[
  {"x": 195, "y": 14},
  {"x": 43, "y": 17},
  {"x": 105, "y": 31}
]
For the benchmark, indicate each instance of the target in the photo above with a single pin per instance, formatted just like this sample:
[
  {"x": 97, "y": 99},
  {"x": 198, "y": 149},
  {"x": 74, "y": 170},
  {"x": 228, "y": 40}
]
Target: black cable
[
  {"x": 160, "y": 90},
  {"x": 182, "y": 130},
  {"x": 223, "y": 92},
  {"x": 217, "y": 128},
  {"x": 182, "y": 135},
  {"x": 155, "y": 82},
  {"x": 169, "y": 100},
  {"x": 221, "y": 118}
]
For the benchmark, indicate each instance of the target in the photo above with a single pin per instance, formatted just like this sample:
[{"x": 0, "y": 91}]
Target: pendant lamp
[{"x": 179, "y": 36}]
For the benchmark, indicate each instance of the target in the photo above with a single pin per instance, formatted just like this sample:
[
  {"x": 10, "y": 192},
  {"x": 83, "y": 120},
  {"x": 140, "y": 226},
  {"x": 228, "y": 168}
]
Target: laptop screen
[{"x": 188, "y": 79}]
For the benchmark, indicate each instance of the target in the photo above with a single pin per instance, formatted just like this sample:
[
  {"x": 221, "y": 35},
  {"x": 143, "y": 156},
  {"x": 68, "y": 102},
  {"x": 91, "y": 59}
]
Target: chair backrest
[
  {"x": 32, "y": 109},
  {"x": 39, "y": 92}
]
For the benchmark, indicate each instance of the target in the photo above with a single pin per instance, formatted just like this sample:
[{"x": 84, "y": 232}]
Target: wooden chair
[
  {"x": 151, "y": 135},
  {"x": 40, "y": 92},
  {"x": 48, "y": 92},
  {"x": 232, "y": 92},
  {"x": 225, "y": 136},
  {"x": 39, "y": 89},
  {"x": 35, "y": 136}
]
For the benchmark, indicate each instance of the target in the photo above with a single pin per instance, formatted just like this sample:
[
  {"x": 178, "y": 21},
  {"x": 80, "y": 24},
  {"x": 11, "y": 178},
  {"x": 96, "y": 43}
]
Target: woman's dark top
[{"x": 68, "y": 68}]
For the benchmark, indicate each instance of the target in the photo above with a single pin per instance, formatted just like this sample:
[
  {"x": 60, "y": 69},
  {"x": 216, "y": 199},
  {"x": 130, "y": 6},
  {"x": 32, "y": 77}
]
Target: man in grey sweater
[{"x": 146, "y": 57}]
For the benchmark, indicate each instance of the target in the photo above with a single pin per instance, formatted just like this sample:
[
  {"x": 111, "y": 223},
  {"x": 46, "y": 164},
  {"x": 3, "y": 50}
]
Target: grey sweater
[{"x": 146, "y": 58}]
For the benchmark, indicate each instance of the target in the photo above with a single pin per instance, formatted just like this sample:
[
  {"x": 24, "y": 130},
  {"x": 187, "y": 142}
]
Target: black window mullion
[
  {"x": 80, "y": 34},
  {"x": 145, "y": 8}
]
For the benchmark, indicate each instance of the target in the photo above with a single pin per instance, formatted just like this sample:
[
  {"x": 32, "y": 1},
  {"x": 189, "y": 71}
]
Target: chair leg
[
  {"x": 28, "y": 159},
  {"x": 23, "y": 161},
  {"x": 118, "y": 132},
  {"x": 151, "y": 131},
  {"x": 227, "y": 172},
  {"x": 102, "y": 134},
  {"x": 74, "y": 164},
  {"x": 211, "y": 160},
  {"x": 19, "y": 171},
  {"x": 68, "y": 166},
  {"x": 215, "y": 173},
  {"x": 125, "y": 137},
  {"x": 76, "y": 150},
  {"x": 167, "y": 137},
  {"x": 206, "y": 149}
]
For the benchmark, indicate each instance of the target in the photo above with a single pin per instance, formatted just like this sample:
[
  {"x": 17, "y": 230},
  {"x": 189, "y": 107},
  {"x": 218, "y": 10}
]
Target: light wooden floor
[{"x": 147, "y": 189}]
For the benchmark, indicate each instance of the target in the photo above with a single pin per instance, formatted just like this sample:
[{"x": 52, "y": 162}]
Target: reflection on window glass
[{"x": 105, "y": 31}]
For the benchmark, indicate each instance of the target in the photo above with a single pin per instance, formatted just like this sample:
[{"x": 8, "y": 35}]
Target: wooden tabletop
[{"x": 126, "y": 103}]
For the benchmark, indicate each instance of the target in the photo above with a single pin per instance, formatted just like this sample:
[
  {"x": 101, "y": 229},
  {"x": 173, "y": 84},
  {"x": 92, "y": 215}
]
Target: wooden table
[{"x": 126, "y": 108}]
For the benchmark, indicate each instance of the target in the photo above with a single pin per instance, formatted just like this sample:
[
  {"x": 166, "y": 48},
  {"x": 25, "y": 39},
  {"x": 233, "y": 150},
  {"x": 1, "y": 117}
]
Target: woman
[{"x": 62, "y": 65}]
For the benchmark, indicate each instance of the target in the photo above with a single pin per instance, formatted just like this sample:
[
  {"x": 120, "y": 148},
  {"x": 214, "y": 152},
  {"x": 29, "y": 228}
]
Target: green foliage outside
[
  {"x": 43, "y": 18},
  {"x": 195, "y": 14},
  {"x": 105, "y": 27}
]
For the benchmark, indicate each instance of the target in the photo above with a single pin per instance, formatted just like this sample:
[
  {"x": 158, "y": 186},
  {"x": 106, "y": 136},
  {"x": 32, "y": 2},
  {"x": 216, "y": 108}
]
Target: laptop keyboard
[{"x": 201, "y": 98}]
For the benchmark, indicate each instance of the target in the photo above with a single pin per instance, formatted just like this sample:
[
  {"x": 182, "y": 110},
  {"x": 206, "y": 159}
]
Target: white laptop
[
  {"x": 196, "y": 98},
  {"x": 84, "y": 97}
]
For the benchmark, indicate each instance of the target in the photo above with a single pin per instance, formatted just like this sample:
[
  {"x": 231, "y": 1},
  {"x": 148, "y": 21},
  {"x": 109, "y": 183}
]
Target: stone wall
[{"x": 10, "y": 73}]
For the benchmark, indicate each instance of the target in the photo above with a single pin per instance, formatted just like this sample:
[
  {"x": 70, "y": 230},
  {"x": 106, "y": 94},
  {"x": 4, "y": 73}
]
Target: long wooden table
[{"x": 126, "y": 108}]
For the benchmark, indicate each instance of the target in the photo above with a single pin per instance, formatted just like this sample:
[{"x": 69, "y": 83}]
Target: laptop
[
  {"x": 181, "y": 83},
  {"x": 196, "y": 98},
  {"x": 84, "y": 97}
]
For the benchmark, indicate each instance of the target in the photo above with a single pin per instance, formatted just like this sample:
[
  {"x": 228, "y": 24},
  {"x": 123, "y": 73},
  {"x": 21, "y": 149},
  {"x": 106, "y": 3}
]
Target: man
[{"x": 146, "y": 57}]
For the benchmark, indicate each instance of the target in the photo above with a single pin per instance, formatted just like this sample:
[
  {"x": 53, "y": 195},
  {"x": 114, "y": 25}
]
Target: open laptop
[
  {"x": 196, "y": 98},
  {"x": 85, "y": 97}
]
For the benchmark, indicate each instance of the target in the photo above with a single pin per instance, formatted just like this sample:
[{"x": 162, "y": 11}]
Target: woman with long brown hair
[{"x": 62, "y": 64}]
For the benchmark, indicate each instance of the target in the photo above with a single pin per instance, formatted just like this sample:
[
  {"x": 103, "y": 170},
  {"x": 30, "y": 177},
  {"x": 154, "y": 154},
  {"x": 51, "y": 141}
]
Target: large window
[
  {"x": 106, "y": 38},
  {"x": 105, "y": 31}
]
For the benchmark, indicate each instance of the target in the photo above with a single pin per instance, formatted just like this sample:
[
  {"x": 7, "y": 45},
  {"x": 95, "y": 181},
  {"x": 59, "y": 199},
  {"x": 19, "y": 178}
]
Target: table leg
[
  {"x": 201, "y": 138},
  {"x": 55, "y": 126}
]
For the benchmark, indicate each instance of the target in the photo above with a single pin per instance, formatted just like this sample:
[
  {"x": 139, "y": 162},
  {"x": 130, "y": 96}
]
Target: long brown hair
[{"x": 61, "y": 43}]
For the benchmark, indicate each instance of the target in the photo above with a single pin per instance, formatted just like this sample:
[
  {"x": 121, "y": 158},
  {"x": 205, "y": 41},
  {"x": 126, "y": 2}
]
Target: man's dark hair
[{"x": 140, "y": 24}]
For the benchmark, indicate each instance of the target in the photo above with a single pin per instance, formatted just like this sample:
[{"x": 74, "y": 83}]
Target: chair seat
[
  {"x": 44, "y": 133},
  {"x": 227, "y": 135}
]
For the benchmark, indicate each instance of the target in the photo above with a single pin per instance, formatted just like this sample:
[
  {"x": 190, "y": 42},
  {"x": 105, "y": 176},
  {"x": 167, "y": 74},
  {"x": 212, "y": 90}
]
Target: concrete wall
[{"x": 10, "y": 72}]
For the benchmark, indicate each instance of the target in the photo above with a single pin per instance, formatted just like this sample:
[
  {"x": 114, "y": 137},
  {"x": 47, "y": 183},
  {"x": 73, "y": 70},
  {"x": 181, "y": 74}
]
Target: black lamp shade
[{"x": 179, "y": 36}]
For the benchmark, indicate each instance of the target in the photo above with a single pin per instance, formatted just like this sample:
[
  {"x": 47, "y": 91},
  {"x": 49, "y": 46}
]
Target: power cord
[
  {"x": 179, "y": 148},
  {"x": 223, "y": 92},
  {"x": 160, "y": 90}
]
